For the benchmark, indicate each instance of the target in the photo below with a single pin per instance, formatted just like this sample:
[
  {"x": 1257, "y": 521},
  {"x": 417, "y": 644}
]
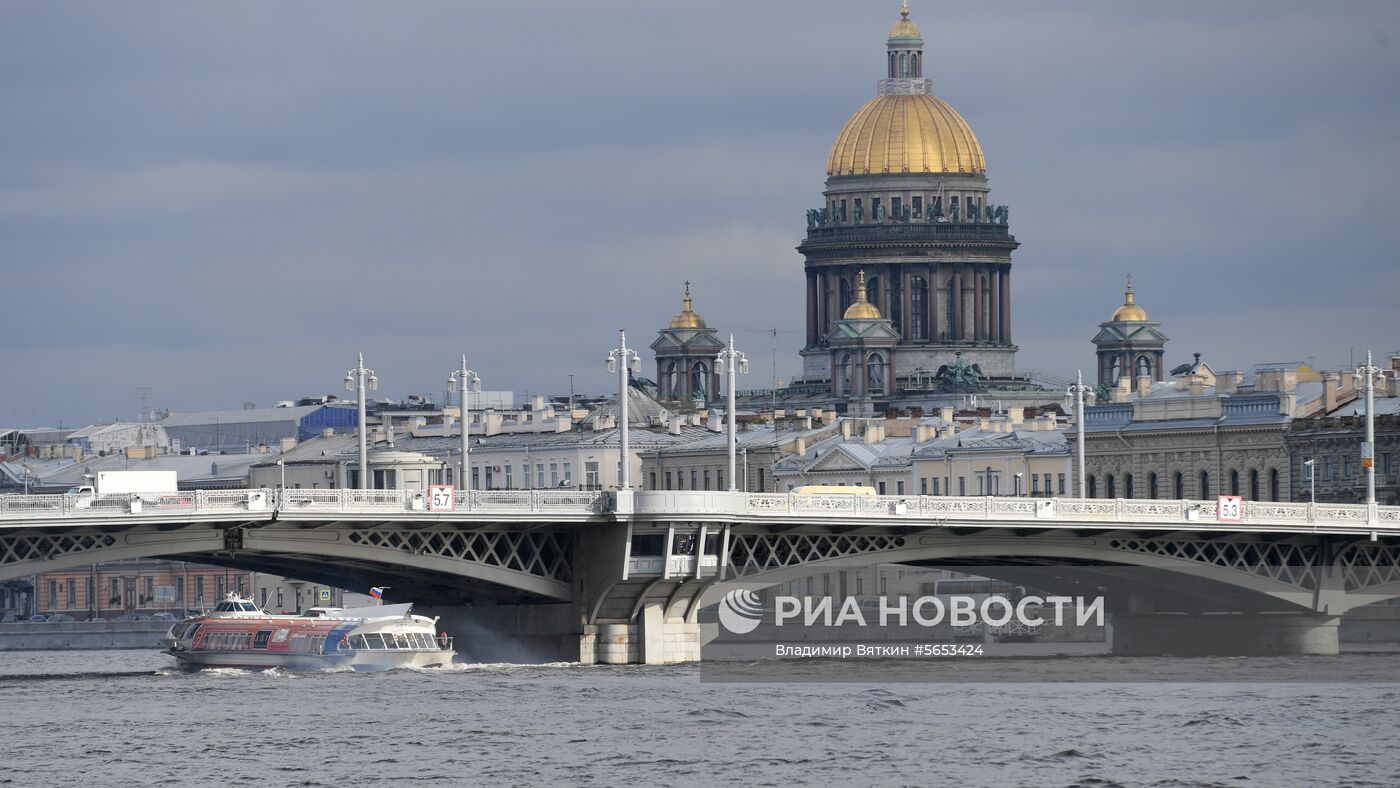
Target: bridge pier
[
  {"x": 655, "y": 639},
  {"x": 1224, "y": 634}
]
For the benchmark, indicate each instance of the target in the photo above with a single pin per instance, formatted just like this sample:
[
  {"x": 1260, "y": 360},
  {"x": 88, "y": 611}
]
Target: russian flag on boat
[{"x": 377, "y": 592}]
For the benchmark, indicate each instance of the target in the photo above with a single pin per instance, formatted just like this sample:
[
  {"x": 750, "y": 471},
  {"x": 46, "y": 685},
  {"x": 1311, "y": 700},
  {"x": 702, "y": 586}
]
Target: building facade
[{"x": 907, "y": 201}]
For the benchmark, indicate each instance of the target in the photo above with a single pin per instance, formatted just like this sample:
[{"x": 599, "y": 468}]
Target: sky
[{"x": 225, "y": 202}]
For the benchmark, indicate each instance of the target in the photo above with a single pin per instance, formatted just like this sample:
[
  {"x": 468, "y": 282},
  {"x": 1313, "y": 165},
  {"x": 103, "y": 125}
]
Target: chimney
[
  {"x": 492, "y": 423},
  {"x": 715, "y": 423},
  {"x": 286, "y": 444},
  {"x": 924, "y": 433},
  {"x": 1144, "y": 385},
  {"x": 1198, "y": 385},
  {"x": 800, "y": 446},
  {"x": 984, "y": 423},
  {"x": 806, "y": 422},
  {"x": 779, "y": 414},
  {"x": 327, "y": 432},
  {"x": 1331, "y": 382},
  {"x": 946, "y": 414},
  {"x": 874, "y": 432},
  {"x": 845, "y": 429},
  {"x": 1017, "y": 415},
  {"x": 1123, "y": 389},
  {"x": 828, "y": 417},
  {"x": 673, "y": 425},
  {"x": 1228, "y": 382}
]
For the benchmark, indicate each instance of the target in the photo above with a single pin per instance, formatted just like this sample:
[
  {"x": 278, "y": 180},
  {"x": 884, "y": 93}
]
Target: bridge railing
[
  {"x": 350, "y": 500},
  {"x": 1079, "y": 509},
  {"x": 14, "y": 507}
]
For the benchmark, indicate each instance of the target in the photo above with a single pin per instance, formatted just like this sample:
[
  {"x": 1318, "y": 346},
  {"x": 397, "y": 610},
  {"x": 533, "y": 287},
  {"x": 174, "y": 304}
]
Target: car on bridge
[
  {"x": 39, "y": 619},
  {"x": 60, "y": 618}
]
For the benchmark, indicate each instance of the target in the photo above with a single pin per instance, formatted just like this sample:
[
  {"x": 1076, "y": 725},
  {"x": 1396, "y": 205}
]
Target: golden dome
[
  {"x": 904, "y": 28},
  {"x": 687, "y": 318},
  {"x": 861, "y": 309},
  {"x": 905, "y": 133},
  {"x": 1129, "y": 312}
]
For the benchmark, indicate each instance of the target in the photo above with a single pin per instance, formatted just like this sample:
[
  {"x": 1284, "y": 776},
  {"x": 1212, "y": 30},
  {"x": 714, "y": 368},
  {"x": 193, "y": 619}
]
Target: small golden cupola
[
  {"x": 1129, "y": 312},
  {"x": 687, "y": 318},
  {"x": 904, "y": 28},
  {"x": 861, "y": 309}
]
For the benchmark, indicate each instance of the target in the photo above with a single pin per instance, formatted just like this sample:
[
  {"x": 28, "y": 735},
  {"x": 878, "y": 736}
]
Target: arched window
[
  {"x": 914, "y": 61},
  {"x": 1254, "y": 485},
  {"x": 1273, "y": 484},
  {"x": 1144, "y": 366},
  {"x": 1151, "y": 485},
  {"x": 1234, "y": 482},
  {"x": 891, "y": 65},
  {"x": 700, "y": 380},
  {"x": 1128, "y": 486},
  {"x": 842, "y": 378},
  {"x": 846, "y": 296},
  {"x": 895, "y": 300},
  {"x": 872, "y": 291},
  {"x": 1114, "y": 371},
  {"x": 904, "y": 64},
  {"x": 918, "y": 304},
  {"x": 875, "y": 374},
  {"x": 1205, "y": 486},
  {"x": 1180, "y": 485},
  {"x": 1093, "y": 487},
  {"x": 1112, "y": 488}
]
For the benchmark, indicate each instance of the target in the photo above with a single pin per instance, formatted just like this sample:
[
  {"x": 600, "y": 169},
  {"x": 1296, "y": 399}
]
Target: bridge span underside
[{"x": 435, "y": 564}]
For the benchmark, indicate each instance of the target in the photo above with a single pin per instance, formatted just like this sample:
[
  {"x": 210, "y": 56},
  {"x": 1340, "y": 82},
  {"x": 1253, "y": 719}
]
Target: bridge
[{"x": 621, "y": 576}]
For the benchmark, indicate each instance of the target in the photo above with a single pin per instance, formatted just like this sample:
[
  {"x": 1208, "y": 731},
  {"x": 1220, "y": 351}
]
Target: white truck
[{"x": 115, "y": 488}]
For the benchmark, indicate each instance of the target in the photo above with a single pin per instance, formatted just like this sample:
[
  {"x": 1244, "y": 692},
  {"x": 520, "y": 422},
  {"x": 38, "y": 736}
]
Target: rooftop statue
[
  {"x": 879, "y": 213},
  {"x": 860, "y": 213},
  {"x": 907, "y": 213}
]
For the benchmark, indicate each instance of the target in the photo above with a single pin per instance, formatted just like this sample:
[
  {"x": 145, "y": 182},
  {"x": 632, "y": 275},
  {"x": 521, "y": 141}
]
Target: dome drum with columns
[
  {"x": 685, "y": 358},
  {"x": 1129, "y": 345},
  {"x": 907, "y": 201}
]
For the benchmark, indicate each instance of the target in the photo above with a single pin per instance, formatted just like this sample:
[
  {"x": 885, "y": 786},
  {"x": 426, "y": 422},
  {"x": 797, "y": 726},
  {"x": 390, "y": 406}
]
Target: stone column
[
  {"x": 996, "y": 305},
  {"x": 955, "y": 290},
  {"x": 979, "y": 312},
  {"x": 1006, "y": 305},
  {"x": 811, "y": 308},
  {"x": 906, "y": 299}
]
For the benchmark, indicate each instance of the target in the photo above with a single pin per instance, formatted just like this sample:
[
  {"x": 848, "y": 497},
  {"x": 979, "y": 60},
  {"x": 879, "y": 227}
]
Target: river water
[{"x": 126, "y": 718}]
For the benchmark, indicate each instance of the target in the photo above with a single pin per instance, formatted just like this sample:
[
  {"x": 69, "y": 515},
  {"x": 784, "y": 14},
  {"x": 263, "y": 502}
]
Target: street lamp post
[
  {"x": 729, "y": 363},
  {"x": 282, "y": 469},
  {"x": 622, "y": 360},
  {"x": 357, "y": 380},
  {"x": 1019, "y": 475},
  {"x": 1077, "y": 391},
  {"x": 1367, "y": 375},
  {"x": 469, "y": 380}
]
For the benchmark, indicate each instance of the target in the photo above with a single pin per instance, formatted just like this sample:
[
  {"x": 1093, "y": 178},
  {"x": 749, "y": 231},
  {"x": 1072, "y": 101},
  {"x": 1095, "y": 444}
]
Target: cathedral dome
[
  {"x": 1129, "y": 312},
  {"x": 861, "y": 308},
  {"x": 905, "y": 133},
  {"x": 687, "y": 318}
]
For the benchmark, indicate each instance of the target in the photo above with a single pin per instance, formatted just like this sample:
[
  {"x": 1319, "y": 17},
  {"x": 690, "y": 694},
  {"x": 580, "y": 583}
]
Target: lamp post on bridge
[
  {"x": 621, "y": 360},
  {"x": 1312, "y": 481},
  {"x": 469, "y": 380},
  {"x": 356, "y": 380},
  {"x": 729, "y": 363},
  {"x": 1368, "y": 375},
  {"x": 1077, "y": 391}
]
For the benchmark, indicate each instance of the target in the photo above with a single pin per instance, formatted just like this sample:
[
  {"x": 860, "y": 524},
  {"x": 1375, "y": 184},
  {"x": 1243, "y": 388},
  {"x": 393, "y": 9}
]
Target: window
[
  {"x": 860, "y": 583},
  {"x": 554, "y": 474},
  {"x": 760, "y": 480},
  {"x": 1152, "y": 485},
  {"x": 1385, "y": 463},
  {"x": 476, "y": 477},
  {"x": 882, "y": 488},
  {"x": 539, "y": 474},
  {"x": 651, "y": 483},
  {"x": 707, "y": 479},
  {"x": 1346, "y": 467},
  {"x": 569, "y": 474},
  {"x": 953, "y": 204},
  {"x": 883, "y": 583},
  {"x": 1093, "y": 487},
  {"x": 1112, "y": 487},
  {"x": 1327, "y": 469},
  {"x": 1273, "y": 484},
  {"x": 72, "y": 593},
  {"x": 1254, "y": 485},
  {"x": 918, "y": 210},
  {"x": 1128, "y": 486},
  {"x": 489, "y": 484},
  {"x": 114, "y": 596},
  {"x": 1048, "y": 477},
  {"x": 923, "y": 486},
  {"x": 899, "y": 487},
  {"x": 525, "y": 475},
  {"x": 1205, "y": 484},
  {"x": 719, "y": 480},
  {"x": 590, "y": 476},
  {"x": 1179, "y": 485},
  {"x": 1234, "y": 482},
  {"x": 896, "y": 208},
  {"x": 1035, "y": 484},
  {"x": 150, "y": 591},
  {"x": 694, "y": 479},
  {"x": 668, "y": 480},
  {"x": 510, "y": 483},
  {"x": 874, "y": 207},
  {"x": 843, "y": 210},
  {"x": 962, "y": 485},
  {"x": 935, "y": 485},
  {"x": 918, "y": 305}
]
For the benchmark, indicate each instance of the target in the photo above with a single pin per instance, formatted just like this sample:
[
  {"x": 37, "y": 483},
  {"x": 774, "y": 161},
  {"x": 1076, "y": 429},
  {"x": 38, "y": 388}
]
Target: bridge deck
[{"x": 564, "y": 506}]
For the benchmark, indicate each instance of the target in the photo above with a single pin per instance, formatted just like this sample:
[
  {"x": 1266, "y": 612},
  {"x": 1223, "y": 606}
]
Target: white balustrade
[{"x": 17, "y": 509}]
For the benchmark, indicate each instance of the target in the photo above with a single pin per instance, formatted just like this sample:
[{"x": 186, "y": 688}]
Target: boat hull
[{"x": 361, "y": 661}]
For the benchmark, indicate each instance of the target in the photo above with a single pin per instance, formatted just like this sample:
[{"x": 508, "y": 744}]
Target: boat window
[
  {"x": 374, "y": 640},
  {"x": 260, "y": 641},
  {"x": 249, "y": 607},
  {"x": 424, "y": 641}
]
